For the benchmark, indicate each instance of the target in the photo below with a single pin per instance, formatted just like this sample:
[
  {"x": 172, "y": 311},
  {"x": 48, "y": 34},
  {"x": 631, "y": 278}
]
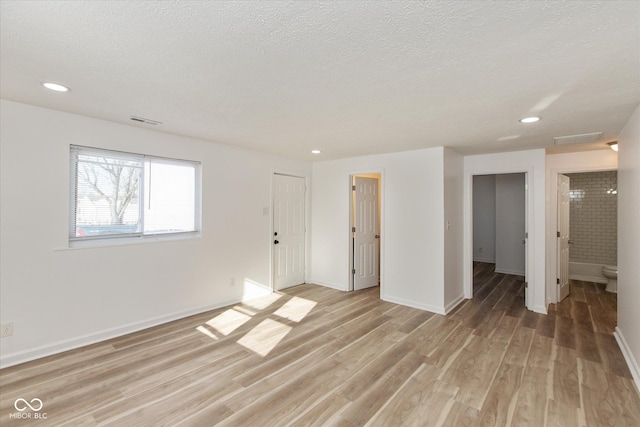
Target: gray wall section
[
  {"x": 510, "y": 223},
  {"x": 484, "y": 218}
]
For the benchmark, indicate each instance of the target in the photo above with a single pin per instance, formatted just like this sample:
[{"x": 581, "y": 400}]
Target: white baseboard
[
  {"x": 512, "y": 272},
  {"x": 413, "y": 304},
  {"x": 73, "y": 343},
  {"x": 487, "y": 260},
  {"x": 628, "y": 356},
  {"x": 338, "y": 287},
  {"x": 453, "y": 304}
]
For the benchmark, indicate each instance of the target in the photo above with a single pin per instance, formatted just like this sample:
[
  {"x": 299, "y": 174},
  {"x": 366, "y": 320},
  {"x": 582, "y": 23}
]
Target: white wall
[
  {"x": 533, "y": 163},
  {"x": 412, "y": 232},
  {"x": 454, "y": 225},
  {"x": 510, "y": 223},
  {"x": 627, "y": 332},
  {"x": 586, "y": 161},
  {"x": 484, "y": 218},
  {"x": 59, "y": 298}
]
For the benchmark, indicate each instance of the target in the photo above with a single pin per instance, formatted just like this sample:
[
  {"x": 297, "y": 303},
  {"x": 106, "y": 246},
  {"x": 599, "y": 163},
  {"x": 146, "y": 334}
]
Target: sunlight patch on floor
[
  {"x": 296, "y": 309},
  {"x": 207, "y": 332},
  {"x": 264, "y": 337},
  {"x": 245, "y": 310},
  {"x": 228, "y": 321},
  {"x": 263, "y": 302}
]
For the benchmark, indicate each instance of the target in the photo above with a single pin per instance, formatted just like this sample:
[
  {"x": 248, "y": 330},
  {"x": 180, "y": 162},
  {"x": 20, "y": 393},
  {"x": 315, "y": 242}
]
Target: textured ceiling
[{"x": 347, "y": 77}]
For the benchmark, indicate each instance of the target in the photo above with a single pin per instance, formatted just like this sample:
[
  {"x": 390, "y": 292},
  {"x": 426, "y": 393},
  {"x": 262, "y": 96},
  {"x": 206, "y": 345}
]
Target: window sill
[{"x": 128, "y": 241}]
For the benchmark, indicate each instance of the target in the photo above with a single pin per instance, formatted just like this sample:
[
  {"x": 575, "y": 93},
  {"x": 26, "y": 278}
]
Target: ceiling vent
[
  {"x": 143, "y": 120},
  {"x": 577, "y": 139}
]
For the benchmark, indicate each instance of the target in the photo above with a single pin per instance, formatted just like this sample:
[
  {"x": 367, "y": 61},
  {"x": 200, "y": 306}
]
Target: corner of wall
[{"x": 628, "y": 356}]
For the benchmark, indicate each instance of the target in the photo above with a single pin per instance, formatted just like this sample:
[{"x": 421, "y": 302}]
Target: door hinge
[
  {"x": 557, "y": 281},
  {"x": 558, "y": 234},
  {"x": 353, "y": 188},
  {"x": 353, "y": 271},
  {"x": 526, "y": 235},
  {"x": 526, "y": 285},
  {"x": 353, "y": 229}
]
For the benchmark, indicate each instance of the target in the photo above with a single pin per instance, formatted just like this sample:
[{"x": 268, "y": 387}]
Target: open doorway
[
  {"x": 364, "y": 242},
  {"x": 587, "y": 210},
  {"x": 499, "y": 231}
]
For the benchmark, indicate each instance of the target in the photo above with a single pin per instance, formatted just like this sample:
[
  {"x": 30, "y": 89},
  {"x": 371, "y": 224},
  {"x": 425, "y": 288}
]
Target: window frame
[{"x": 74, "y": 241}]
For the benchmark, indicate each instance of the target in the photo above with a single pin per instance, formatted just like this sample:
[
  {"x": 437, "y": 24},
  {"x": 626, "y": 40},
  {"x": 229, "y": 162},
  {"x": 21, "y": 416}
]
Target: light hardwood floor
[{"x": 315, "y": 356}]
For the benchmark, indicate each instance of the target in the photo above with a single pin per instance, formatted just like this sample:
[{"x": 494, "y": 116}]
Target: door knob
[
  {"x": 275, "y": 242},
  {"x": 377, "y": 237}
]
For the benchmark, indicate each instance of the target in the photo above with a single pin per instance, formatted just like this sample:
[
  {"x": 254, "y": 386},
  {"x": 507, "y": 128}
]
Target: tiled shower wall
[{"x": 594, "y": 217}]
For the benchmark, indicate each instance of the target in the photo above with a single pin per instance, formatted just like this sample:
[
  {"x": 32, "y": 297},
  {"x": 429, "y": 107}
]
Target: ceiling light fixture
[
  {"x": 613, "y": 145},
  {"x": 315, "y": 151},
  {"x": 529, "y": 119},
  {"x": 55, "y": 87}
]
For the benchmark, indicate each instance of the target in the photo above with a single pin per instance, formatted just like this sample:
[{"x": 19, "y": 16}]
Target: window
[{"x": 115, "y": 194}]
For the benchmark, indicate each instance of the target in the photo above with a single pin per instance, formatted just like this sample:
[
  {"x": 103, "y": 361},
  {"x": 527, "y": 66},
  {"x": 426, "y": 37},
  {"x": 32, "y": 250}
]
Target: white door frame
[
  {"x": 552, "y": 224},
  {"x": 354, "y": 224},
  {"x": 529, "y": 264},
  {"x": 349, "y": 195},
  {"x": 563, "y": 203},
  {"x": 307, "y": 216}
]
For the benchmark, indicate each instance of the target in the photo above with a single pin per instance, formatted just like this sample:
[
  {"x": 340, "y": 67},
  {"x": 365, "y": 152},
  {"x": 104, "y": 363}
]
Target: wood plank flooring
[{"x": 311, "y": 356}]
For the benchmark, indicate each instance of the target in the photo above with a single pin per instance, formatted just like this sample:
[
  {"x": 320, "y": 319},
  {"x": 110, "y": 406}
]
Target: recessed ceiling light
[
  {"x": 56, "y": 87},
  {"x": 613, "y": 145},
  {"x": 529, "y": 119},
  {"x": 315, "y": 151}
]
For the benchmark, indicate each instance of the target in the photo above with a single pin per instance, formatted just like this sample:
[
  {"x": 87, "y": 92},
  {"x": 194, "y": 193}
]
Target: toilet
[{"x": 611, "y": 273}]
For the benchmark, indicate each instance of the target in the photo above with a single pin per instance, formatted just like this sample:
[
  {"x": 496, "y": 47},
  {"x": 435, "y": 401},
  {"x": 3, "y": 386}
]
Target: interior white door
[
  {"x": 525, "y": 241},
  {"x": 288, "y": 231},
  {"x": 563, "y": 236},
  {"x": 366, "y": 235}
]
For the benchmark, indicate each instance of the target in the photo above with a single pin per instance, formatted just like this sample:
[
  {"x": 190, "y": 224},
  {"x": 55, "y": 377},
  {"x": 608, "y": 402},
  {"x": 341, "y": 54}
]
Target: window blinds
[{"x": 115, "y": 194}]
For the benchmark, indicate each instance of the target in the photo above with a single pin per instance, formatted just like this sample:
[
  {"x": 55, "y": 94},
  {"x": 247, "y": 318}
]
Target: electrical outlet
[{"x": 6, "y": 329}]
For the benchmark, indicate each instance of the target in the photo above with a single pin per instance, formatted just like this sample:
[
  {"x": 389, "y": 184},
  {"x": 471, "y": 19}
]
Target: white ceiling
[{"x": 347, "y": 77}]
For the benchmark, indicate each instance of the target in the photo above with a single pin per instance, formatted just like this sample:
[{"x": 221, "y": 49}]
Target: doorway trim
[
  {"x": 529, "y": 224},
  {"x": 381, "y": 214}
]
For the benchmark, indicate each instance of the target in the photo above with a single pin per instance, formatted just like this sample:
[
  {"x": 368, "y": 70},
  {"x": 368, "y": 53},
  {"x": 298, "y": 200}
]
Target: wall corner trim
[
  {"x": 453, "y": 304},
  {"x": 628, "y": 356},
  {"x": 540, "y": 309}
]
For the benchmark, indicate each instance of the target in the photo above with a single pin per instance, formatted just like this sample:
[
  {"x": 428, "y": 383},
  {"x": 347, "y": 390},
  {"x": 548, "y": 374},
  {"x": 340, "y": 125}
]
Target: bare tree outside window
[{"x": 107, "y": 195}]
